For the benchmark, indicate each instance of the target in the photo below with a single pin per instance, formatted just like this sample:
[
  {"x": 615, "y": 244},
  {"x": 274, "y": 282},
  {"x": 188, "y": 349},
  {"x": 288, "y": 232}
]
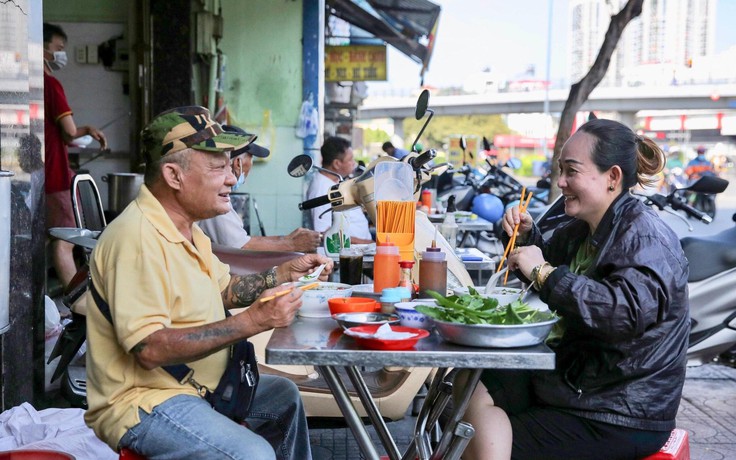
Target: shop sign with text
[{"x": 355, "y": 63}]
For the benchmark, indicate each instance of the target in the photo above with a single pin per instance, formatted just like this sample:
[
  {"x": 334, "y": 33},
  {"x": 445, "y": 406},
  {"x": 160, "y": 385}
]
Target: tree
[
  {"x": 580, "y": 91},
  {"x": 444, "y": 126}
]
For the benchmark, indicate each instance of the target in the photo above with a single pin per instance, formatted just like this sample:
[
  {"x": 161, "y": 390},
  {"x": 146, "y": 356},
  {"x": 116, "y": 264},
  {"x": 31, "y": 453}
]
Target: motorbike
[{"x": 712, "y": 261}]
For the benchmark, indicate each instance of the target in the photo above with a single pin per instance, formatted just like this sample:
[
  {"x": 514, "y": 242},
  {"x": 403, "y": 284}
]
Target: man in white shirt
[
  {"x": 337, "y": 156},
  {"x": 227, "y": 229}
]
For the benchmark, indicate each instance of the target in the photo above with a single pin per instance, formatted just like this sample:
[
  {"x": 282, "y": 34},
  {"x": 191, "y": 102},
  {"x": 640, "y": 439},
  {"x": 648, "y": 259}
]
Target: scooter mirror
[
  {"x": 463, "y": 143},
  {"x": 422, "y": 104},
  {"x": 709, "y": 184},
  {"x": 299, "y": 165},
  {"x": 513, "y": 163}
]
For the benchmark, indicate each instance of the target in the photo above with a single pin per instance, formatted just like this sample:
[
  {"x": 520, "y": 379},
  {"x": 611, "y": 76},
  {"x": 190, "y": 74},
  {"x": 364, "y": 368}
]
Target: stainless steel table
[{"x": 313, "y": 341}]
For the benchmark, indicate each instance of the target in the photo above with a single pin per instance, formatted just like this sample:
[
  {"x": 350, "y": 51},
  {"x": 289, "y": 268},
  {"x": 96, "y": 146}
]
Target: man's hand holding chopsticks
[{"x": 279, "y": 311}]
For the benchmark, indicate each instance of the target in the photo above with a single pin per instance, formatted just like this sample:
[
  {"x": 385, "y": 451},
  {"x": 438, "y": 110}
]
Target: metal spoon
[
  {"x": 493, "y": 280},
  {"x": 312, "y": 276},
  {"x": 524, "y": 292}
]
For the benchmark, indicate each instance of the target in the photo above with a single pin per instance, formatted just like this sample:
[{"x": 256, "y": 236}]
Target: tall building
[{"x": 654, "y": 47}]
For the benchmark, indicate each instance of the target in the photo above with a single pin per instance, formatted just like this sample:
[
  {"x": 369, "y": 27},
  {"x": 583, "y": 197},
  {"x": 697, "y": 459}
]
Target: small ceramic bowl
[
  {"x": 409, "y": 317},
  {"x": 348, "y": 320},
  {"x": 314, "y": 301},
  {"x": 353, "y": 305}
]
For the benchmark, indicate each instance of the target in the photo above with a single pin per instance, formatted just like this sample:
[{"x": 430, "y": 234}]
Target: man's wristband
[{"x": 271, "y": 279}]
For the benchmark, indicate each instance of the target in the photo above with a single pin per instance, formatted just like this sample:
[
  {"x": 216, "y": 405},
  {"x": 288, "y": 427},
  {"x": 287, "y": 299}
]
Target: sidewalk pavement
[{"x": 706, "y": 412}]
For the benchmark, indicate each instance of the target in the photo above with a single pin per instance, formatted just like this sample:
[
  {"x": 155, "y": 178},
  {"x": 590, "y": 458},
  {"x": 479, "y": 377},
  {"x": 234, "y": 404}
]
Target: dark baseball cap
[
  {"x": 188, "y": 127},
  {"x": 252, "y": 148}
]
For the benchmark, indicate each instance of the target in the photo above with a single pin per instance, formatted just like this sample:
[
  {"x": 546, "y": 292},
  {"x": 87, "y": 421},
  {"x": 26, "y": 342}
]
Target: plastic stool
[
  {"x": 127, "y": 454},
  {"x": 677, "y": 447}
]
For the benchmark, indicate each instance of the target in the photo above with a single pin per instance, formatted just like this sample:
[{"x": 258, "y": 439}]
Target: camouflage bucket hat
[{"x": 188, "y": 127}]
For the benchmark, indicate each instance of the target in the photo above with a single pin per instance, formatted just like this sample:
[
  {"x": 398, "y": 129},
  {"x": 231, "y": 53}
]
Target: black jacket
[{"x": 623, "y": 354}]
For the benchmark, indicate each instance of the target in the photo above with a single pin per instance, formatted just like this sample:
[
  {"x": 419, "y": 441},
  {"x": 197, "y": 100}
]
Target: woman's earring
[{"x": 611, "y": 187}]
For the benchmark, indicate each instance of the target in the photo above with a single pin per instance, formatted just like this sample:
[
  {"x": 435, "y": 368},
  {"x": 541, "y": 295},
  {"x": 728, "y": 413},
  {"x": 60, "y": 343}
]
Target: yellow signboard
[
  {"x": 455, "y": 156},
  {"x": 355, "y": 63}
]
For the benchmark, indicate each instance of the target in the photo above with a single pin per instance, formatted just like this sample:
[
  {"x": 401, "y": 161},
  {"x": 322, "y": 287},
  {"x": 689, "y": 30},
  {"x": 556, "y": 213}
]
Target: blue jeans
[{"x": 186, "y": 426}]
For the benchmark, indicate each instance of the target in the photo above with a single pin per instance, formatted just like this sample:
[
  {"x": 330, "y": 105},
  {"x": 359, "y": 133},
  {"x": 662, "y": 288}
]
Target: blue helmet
[{"x": 488, "y": 206}]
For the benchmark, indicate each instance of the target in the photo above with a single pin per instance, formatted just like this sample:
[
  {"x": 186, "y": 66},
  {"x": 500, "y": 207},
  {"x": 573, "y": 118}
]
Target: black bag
[{"x": 237, "y": 387}]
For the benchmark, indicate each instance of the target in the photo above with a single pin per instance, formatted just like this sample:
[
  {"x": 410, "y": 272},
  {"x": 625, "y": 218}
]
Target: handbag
[{"x": 237, "y": 386}]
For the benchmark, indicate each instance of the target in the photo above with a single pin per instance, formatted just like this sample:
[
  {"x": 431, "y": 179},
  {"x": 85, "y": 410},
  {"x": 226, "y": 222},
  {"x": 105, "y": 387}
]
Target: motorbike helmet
[{"x": 488, "y": 206}]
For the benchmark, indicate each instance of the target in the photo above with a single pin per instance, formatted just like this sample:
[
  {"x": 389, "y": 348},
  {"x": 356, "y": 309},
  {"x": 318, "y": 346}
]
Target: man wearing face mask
[
  {"x": 227, "y": 229},
  {"x": 59, "y": 130}
]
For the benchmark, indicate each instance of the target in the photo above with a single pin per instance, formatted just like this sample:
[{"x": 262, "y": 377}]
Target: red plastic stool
[
  {"x": 677, "y": 447},
  {"x": 127, "y": 454}
]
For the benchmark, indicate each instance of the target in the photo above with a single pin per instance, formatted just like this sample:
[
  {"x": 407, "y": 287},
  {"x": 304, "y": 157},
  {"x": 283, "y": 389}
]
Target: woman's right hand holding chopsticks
[{"x": 514, "y": 216}]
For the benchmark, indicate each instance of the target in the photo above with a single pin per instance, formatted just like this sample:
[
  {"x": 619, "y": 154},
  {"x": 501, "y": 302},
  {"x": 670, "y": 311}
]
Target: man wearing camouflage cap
[
  {"x": 166, "y": 290},
  {"x": 227, "y": 229}
]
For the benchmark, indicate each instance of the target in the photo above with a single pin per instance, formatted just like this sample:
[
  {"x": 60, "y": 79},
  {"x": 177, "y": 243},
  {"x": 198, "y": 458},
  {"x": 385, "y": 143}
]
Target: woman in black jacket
[{"x": 617, "y": 276}]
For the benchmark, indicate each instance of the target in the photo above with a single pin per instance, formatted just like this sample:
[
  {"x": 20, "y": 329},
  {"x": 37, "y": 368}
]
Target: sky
[{"x": 508, "y": 36}]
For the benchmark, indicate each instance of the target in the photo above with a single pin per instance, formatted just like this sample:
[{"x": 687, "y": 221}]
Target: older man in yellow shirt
[{"x": 167, "y": 295}]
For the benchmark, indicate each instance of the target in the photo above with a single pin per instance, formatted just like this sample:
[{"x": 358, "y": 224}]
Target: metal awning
[{"x": 403, "y": 24}]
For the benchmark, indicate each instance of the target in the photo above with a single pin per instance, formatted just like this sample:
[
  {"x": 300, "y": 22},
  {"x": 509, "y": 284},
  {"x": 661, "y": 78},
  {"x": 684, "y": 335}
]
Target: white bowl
[
  {"x": 504, "y": 295},
  {"x": 409, "y": 317},
  {"x": 314, "y": 301}
]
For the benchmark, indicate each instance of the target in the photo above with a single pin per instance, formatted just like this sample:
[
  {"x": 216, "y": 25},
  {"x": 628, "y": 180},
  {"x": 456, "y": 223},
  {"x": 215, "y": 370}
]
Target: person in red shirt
[{"x": 59, "y": 130}]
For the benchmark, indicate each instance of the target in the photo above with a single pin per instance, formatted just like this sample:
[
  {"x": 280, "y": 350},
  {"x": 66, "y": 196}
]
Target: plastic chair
[
  {"x": 87, "y": 204},
  {"x": 127, "y": 454},
  {"x": 677, "y": 447}
]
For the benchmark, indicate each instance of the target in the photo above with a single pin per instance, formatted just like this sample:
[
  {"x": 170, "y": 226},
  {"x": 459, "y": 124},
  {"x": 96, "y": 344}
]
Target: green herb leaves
[{"x": 473, "y": 308}]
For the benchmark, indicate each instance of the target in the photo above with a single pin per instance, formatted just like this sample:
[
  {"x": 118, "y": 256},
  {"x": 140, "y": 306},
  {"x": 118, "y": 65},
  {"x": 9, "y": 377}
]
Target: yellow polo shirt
[{"x": 152, "y": 278}]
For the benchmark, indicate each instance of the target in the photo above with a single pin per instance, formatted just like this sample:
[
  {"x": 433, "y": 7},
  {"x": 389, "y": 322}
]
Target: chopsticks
[
  {"x": 279, "y": 294},
  {"x": 523, "y": 204}
]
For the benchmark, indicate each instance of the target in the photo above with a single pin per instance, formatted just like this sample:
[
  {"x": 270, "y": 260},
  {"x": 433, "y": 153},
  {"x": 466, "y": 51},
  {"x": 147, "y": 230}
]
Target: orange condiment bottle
[
  {"x": 385, "y": 267},
  {"x": 427, "y": 198}
]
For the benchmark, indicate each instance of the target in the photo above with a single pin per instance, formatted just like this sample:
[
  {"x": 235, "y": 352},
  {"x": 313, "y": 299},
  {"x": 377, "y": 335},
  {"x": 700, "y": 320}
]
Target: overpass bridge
[{"x": 626, "y": 101}]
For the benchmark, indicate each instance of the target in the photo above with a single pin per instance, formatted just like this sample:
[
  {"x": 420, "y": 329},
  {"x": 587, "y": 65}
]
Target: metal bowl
[
  {"x": 348, "y": 320},
  {"x": 495, "y": 335}
]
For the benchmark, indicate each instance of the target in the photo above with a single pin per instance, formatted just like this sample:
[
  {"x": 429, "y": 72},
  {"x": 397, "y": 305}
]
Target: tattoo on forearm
[{"x": 243, "y": 290}]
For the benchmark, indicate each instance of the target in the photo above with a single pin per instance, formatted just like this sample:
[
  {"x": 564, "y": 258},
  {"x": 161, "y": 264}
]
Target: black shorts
[{"x": 548, "y": 433}]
